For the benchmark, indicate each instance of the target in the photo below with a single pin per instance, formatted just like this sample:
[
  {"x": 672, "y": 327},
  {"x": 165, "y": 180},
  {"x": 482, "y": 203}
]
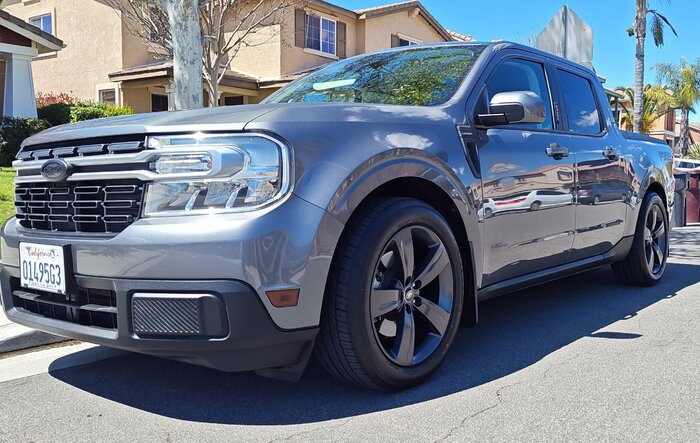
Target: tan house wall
[
  {"x": 87, "y": 59},
  {"x": 378, "y": 30},
  {"x": 262, "y": 57}
]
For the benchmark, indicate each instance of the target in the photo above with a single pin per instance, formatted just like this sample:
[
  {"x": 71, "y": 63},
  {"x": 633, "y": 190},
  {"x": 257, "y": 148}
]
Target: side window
[
  {"x": 520, "y": 75},
  {"x": 581, "y": 108}
]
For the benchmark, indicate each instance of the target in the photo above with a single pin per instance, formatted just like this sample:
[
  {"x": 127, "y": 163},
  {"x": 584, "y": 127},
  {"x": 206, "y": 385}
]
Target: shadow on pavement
[{"x": 514, "y": 332}]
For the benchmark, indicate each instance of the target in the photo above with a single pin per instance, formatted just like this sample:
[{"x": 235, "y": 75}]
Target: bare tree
[{"x": 226, "y": 26}]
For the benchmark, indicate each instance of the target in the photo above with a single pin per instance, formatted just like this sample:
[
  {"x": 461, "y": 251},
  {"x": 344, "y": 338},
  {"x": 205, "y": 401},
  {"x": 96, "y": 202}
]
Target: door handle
[
  {"x": 611, "y": 153},
  {"x": 557, "y": 152}
]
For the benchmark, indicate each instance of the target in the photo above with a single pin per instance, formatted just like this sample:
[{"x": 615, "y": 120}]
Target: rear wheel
[
  {"x": 394, "y": 298},
  {"x": 646, "y": 261},
  {"x": 535, "y": 206}
]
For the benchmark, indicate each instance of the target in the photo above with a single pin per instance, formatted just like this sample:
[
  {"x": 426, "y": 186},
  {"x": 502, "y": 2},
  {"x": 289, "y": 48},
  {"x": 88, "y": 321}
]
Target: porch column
[
  {"x": 170, "y": 92},
  {"x": 19, "y": 87}
]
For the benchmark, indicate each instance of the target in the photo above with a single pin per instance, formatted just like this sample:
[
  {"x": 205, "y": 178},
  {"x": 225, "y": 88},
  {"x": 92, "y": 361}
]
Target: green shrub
[
  {"x": 12, "y": 134},
  {"x": 56, "y": 113},
  {"x": 91, "y": 110}
]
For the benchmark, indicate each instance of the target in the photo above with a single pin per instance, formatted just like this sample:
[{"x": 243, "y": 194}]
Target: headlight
[{"x": 214, "y": 173}]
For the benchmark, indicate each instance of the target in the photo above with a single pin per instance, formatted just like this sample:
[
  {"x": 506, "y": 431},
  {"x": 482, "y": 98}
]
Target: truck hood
[
  {"x": 280, "y": 116},
  {"x": 207, "y": 119}
]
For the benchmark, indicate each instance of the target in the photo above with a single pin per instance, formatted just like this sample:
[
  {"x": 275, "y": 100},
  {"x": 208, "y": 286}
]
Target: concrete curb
[{"x": 14, "y": 337}]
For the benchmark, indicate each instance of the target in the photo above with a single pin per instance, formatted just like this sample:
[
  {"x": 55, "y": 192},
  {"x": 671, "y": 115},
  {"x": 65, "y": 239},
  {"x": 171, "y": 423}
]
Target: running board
[{"x": 619, "y": 251}]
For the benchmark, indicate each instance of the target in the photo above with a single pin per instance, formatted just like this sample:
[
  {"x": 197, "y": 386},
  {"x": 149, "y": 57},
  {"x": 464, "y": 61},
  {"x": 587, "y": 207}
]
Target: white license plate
[{"x": 43, "y": 267}]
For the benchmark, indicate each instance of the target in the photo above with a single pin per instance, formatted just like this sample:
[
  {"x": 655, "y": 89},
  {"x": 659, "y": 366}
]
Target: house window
[
  {"x": 320, "y": 34},
  {"x": 233, "y": 101},
  {"x": 159, "y": 102},
  {"x": 107, "y": 96},
  {"x": 43, "y": 22},
  {"x": 406, "y": 42}
]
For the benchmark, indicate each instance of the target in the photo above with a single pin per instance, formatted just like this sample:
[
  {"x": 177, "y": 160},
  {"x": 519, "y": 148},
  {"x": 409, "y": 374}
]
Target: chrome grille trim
[{"x": 225, "y": 161}]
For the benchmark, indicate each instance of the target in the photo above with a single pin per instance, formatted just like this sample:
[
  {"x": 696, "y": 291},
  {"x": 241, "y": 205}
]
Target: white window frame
[
  {"x": 40, "y": 17},
  {"x": 106, "y": 87},
  {"x": 411, "y": 40},
  {"x": 100, "y": 95},
  {"x": 320, "y": 50}
]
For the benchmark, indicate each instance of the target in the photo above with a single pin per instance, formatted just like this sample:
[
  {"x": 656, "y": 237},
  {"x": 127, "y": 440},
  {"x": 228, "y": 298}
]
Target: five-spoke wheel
[
  {"x": 646, "y": 261},
  {"x": 412, "y": 295},
  {"x": 395, "y": 296}
]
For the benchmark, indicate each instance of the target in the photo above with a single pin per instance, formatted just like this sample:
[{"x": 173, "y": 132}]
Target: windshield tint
[{"x": 416, "y": 77}]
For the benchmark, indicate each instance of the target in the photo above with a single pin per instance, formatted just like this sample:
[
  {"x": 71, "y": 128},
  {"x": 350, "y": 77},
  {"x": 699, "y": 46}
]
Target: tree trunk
[
  {"x": 212, "y": 82},
  {"x": 185, "y": 27},
  {"x": 640, "y": 34},
  {"x": 683, "y": 141}
]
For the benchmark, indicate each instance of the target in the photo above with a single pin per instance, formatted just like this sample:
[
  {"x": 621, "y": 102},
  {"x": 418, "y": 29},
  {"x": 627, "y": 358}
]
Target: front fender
[{"x": 359, "y": 184}]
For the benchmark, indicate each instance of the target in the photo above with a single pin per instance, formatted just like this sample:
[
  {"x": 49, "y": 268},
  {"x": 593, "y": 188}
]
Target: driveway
[{"x": 579, "y": 359}]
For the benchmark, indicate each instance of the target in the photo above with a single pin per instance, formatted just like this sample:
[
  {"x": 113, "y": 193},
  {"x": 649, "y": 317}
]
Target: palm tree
[
  {"x": 656, "y": 103},
  {"x": 639, "y": 30},
  {"x": 683, "y": 80}
]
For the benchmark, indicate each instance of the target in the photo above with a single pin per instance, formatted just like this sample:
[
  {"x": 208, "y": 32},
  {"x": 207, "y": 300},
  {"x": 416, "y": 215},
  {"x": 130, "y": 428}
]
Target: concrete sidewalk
[{"x": 14, "y": 337}]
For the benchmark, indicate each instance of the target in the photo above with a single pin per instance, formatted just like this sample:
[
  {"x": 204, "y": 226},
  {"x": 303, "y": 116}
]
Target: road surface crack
[
  {"x": 311, "y": 431},
  {"x": 499, "y": 397}
]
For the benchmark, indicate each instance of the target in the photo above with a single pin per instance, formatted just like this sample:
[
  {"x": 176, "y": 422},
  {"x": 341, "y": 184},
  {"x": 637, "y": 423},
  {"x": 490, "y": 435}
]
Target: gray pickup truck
[{"x": 359, "y": 214}]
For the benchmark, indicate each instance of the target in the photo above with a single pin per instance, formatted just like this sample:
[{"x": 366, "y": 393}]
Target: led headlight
[{"x": 214, "y": 173}]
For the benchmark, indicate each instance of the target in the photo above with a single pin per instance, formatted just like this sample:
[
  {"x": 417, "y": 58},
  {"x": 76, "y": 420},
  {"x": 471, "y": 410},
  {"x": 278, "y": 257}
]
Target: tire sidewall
[
  {"x": 651, "y": 200},
  {"x": 373, "y": 359}
]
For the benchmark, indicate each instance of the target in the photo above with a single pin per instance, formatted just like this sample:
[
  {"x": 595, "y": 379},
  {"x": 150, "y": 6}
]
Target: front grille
[
  {"x": 98, "y": 207},
  {"x": 84, "y": 306},
  {"x": 115, "y": 145}
]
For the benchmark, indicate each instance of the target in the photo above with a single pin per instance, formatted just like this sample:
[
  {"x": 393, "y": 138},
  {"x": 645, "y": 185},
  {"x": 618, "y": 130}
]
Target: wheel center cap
[{"x": 409, "y": 295}]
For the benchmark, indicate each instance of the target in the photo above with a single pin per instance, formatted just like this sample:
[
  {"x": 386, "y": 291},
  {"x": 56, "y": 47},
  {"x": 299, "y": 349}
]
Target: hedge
[{"x": 13, "y": 132}]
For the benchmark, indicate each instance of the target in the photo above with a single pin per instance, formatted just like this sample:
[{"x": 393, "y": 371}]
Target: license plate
[{"x": 43, "y": 267}]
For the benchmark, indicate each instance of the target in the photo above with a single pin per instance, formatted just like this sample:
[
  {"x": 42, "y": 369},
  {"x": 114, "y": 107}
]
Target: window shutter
[
  {"x": 300, "y": 28},
  {"x": 395, "y": 43},
  {"x": 341, "y": 38}
]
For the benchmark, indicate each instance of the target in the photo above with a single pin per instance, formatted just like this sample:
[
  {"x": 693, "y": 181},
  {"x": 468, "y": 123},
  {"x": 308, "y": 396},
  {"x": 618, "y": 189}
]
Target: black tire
[
  {"x": 352, "y": 344},
  {"x": 646, "y": 261},
  {"x": 596, "y": 200},
  {"x": 488, "y": 213},
  {"x": 535, "y": 206}
]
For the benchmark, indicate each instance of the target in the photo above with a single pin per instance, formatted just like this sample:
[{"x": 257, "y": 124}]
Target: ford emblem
[{"x": 55, "y": 170}]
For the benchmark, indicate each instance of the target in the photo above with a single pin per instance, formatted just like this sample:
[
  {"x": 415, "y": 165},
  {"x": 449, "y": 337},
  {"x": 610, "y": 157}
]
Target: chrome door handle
[
  {"x": 557, "y": 152},
  {"x": 611, "y": 153}
]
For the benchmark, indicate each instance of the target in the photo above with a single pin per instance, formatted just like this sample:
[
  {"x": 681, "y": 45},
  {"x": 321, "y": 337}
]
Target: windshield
[{"x": 416, "y": 77}]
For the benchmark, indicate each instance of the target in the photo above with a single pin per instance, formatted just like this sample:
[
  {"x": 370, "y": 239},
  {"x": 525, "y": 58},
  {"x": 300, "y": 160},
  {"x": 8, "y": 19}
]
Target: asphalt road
[{"x": 579, "y": 359}]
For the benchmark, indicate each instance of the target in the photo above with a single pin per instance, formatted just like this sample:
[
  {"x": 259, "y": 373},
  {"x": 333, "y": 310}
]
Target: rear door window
[{"x": 581, "y": 107}]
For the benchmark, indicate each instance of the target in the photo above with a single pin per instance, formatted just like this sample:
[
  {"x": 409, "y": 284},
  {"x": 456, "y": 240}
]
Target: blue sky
[{"x": 613, "y": 54}]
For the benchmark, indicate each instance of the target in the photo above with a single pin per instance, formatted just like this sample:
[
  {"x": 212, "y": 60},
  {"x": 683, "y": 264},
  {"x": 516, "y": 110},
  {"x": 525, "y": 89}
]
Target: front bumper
[
  {"x": 237, "y": 258},
  {"x": 249, "y": 339}
]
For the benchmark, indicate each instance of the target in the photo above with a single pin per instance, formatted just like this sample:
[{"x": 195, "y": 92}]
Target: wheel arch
[{"x": 428, "y": 191}]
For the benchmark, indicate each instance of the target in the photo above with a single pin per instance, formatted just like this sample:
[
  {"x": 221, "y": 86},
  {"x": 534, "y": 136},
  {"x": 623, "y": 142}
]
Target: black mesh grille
[
  {"x": 165, "y": 316},
  {"x": 85, "y": 306},
  {"x": 79, "y": 206}
]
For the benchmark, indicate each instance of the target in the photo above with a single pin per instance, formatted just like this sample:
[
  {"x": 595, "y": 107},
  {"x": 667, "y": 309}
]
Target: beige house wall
[
  {"x": 262, "y": 56},
  {"x": 93, "y": 47},
  {"x": 378, "y": 30}
]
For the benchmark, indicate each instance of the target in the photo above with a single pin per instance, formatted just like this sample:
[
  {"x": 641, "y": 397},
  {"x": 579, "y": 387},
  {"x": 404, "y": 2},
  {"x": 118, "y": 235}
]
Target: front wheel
[
  {"x": 394, "y": 297},
  {"x": 646, "y": 261}
]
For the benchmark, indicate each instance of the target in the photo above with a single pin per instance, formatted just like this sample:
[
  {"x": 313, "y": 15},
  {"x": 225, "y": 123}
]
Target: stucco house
[
  {"x": 103, "y": 61},
  {"x": 19, "y": 43}
]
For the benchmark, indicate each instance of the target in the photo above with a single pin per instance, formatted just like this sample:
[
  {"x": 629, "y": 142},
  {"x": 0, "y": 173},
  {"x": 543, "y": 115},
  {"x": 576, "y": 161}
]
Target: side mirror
[{"x": 514, "y": 107}]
